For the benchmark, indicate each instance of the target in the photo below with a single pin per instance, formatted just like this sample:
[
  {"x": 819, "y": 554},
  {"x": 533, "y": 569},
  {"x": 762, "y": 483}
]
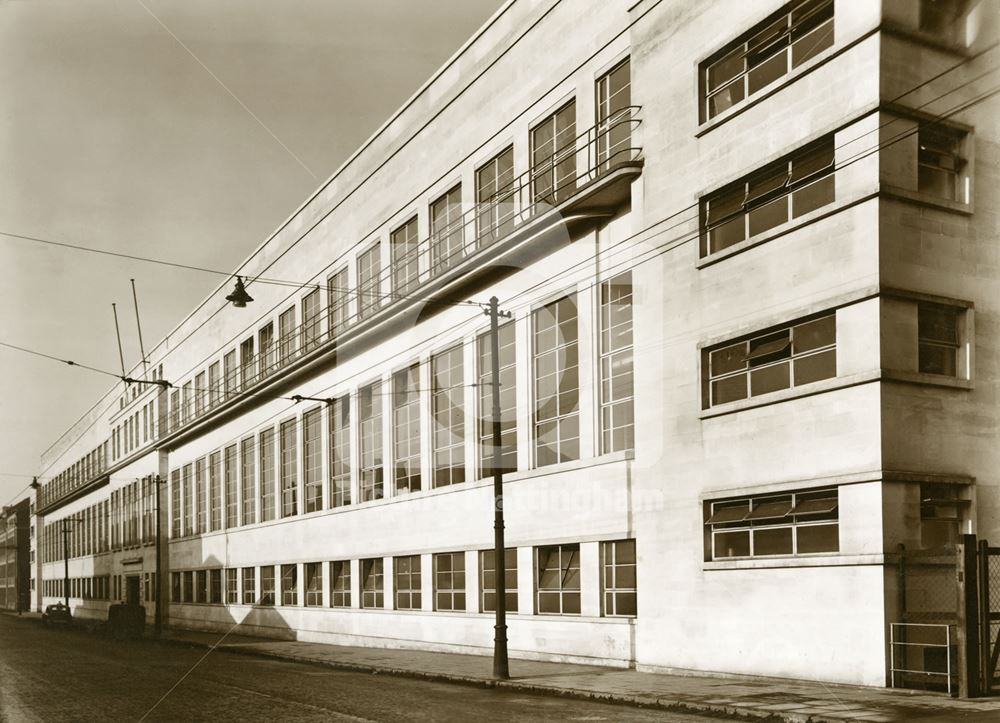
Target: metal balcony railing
[{"x": 577, "y": 165}]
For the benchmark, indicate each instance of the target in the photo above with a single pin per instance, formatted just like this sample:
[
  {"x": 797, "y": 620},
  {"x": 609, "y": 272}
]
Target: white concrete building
[{"x": 749, "y": 250}]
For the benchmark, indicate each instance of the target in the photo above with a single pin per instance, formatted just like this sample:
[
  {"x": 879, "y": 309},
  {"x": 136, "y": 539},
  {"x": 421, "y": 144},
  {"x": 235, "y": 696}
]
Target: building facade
[
  {"x": 16, "y": 557},
  {"x": 748, "y": 252}
]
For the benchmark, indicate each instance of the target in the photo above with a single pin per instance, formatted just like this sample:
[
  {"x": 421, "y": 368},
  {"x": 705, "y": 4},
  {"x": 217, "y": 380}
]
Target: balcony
[{"x": 579, "y": 184}]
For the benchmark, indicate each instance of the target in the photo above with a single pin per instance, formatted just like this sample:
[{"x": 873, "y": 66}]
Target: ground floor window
[
  {"x": 289, "y": 585},
  {"x": 487, "y": 580},
  {"x": 314, "y": 584},
  {"x": 558, "y": 579},
  {"x": 187, "y": 587},
  {"x": 340, "y": 584},
  {"x": 249, "y": 586},
  {"x": 267, "y": 585},
  {"x": 449, "y": 581},
  {"x": 372, "y": 583},
  {"x": 406, "y": 579},
  {"x": 618, "y": 579},
  {"x": 215, "y": 586},
  {"x": 232, "y": 586}
]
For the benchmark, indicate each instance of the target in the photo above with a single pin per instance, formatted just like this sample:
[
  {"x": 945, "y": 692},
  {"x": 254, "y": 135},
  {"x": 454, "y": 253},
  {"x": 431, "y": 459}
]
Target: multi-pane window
[
  {"x": 938, "y": 342},
  {"x": 286, "y": 335},
  {"x": 617, "y": 393},
  {"x": 553, "y": 157},
  {"x": 942, "y": 512},
  {"x": 940, "y": 162},
  {"x": 340, "y": 451},
  {"x": 187, "y": 587},
  {"x": 614, "y": 122},
  {"x": 557, "y": 383},
  {"x": 314, "y": 584},
  {"x": 232, "y": 586},
  {"x": 290, "y": 584},
  {"x": 508, "y": 401},
  {"x": 230, "y": 373},
  {"x": 406, "y": 428},
  {"x": 448, "y": 417},
  {"x": 771, "y": 50},
  {"x": 369, "y": 281},
  {"x": 619, "y": 581},
  {"x": 558, "y": 581},
  {"x": 201, "y": 586},
  {"x": 449, "y": 581},
  {"x": 249, "y": 586},
  {"x": 266, "y": 475},
  {"x": 267, "y": 351},
  {"x": 312, "y": 321},
  {"x": 340, "y": 584},
  {"x": 447, "y": 230},
  {"x": 495, "y": 196},
  {"x": 248, "y": 481},
  {"x": 289, "y": 478},
  {"x": 200, "y": 394},
  {"x": 267, "y": 585},
  {"x": 188, "y": 501},
  {"x": 247, "y": 363},
  {"x": 406, "y": 579},
  {"x": 372, "y": 583},
  {"x": 783, "y": 190},
  {"x": 799, "y": 523},
  {"x": 199, "y": 496},
  {"x": 339, "y": 296},
  {"x": 215, "y": 489},
  {"x": 187, "y": 411},
  {"x": 799, "y": 354},
  {"x": 214, "y": 386},
  {"x": 175, "y": 506},
  {"x": 312, "y": 459},
  {"x": 370, "y": 416},
  {"x": 405, "y": 257},
  {"x": 488, "y": 583},
  {"x": 229, "y": 486},
  {"x": 215, "y": 586}
]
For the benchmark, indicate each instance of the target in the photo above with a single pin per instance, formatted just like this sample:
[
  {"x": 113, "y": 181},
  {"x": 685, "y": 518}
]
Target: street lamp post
[
  {"x": 158, "y": 587},
  {"x": 65, "y": 534},
  {"x": 500, "y": 663}
]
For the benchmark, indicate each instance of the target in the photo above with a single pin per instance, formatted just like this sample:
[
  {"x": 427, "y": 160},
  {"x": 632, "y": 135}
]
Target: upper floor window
[
  {"x": 614, "y": 126},
  {"x": 770, "y": 50},
  {"x": 229, "y": 371},
  {"x": 447, "y": 230},
  {"x": 557, "y": 383},
  {"x": 312, "y": 459},
  {"x": 404, "y": 246},
  {"x": 616, "y": 393},
  {"x": 286, "y": 335},
  {"x": 798, "y": 354},
  {"x": 339, "y": 430},
  {"x": 938, "y": 338},
  {"x": 311, "y": 321},
  {"x": 370, "y": 447},
  {"x": 448, "y": 417},
  {"x": 495, "y": 197},
  {"x": 800, "y": 523},
  {"x": 369, "y": 281},
  {"x": 553, "y": 156},
  {"x": 406, "y": 428},
  {"x": 940, "y": 162},
  {"x": 337, "y": 293},
  {"x": 786, "y": 189}
]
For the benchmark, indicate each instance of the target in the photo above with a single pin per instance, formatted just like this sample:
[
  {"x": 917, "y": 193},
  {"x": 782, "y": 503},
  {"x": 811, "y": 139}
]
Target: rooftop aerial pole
[
  {"x": 138, "y": 325},
  {"x": 121, "y": 357}
]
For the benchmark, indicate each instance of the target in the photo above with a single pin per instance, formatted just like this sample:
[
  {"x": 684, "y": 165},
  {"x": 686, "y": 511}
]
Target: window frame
[
  {"x": 510, "y": 580},
  {"x": 608, "y": 355},
  {"x": 406, "y": 429},
  {"x": 373, "y": 583},
  {"x": 561, "y": 347},
  {"x": 449, "y": 585},
  {"x": 562, "y": 593},
  {"x": 340, "y": 584},
  {"x": 406, "y": 569},
  {"x": 447, "y": 411},
  {"x": 612, "y": 592}
]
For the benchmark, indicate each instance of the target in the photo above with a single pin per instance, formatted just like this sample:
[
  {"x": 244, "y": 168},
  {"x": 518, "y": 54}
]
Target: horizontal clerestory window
[
  {"x": 798, "y": 523},
  {"x": 770, "y": 50},
  {"x": 795, "y": 355},
  {"x": 786, "y": 189}
]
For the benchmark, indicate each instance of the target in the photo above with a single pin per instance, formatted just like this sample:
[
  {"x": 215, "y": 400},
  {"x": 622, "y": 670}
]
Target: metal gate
[{"x": 989, "y": 616}]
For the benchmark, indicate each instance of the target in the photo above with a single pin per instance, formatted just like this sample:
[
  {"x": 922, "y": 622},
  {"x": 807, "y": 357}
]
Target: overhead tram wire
[{"x": 676, "y": 242}]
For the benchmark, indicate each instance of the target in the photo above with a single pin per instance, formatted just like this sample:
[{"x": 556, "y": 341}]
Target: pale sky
[{"x": 113, "y": 136}]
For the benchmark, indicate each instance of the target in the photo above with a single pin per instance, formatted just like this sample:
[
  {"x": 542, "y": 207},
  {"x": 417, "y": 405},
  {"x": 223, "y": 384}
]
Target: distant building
[
  {"x": 15, "y": 553},
  {"x": 750, "y": 253}
]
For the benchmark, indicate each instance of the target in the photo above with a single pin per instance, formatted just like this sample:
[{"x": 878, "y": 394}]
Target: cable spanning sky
[{"x": 170, "y": 129}]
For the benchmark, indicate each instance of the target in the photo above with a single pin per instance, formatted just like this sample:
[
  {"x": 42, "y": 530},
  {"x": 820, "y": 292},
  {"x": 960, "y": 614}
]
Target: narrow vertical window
[
  {"x": 215, "y": 586},
  {"x": 340, "y": 452},
  {"x": 232, "y": 586},
  {"x": 372, "y": 584},
  {"x": 249, "y": 586},
  {"x": 267, "y": 475},
  {"x": 188, "y": 502},
  {"x": 338, "y": 296},
  {"x": 286, "y": 336},
  {"x": 200, "y": 394},
  {"x": 248, "y": 374},
  {"x": 267, "y": 585},
  {"x": 553, "y": 158},
  {"x": 289, "y": 476},
  {"x": 175, "y": 505},
  {"x": 248, "y": 479},
  {"x": 370, "y": 418},
  {"x": 214, "y": 388},
  {"x": 495, "y": 198},
  {"x": 938, "y": 343},
  {"x": 229, "y": 477},
  {"x": 187, "y": 411},
  {"x": 448, "y": 417},
  {"x": 406, "y": 579},
  {"x": 314, "y": 584},
  {"x": 406, "y": 428},
  {"x": 199, "y": 496},
  {"x": 447, "y": 231},
  {"x": 290, "y": 584},
  {"x": 405, "y": 257},
  {"x": 369, "y": 281},
  {"x": 449, "y": 581},
  {"x": 312, "y": 320},
  {"x": 312, "y": 459},
  {"x": 231, "y": 373},
  {"x": 614, "y": 121},
  {"x": 508, "y": 402},
  {"x": 215, "y": 489},
  {"x": 557, "y": 383},
  {"x": 617, "y": 408},
  {"x": 267, "y": 352},
  {"x": 619, "y": 581},
  {"x": 340, "y": 584}
]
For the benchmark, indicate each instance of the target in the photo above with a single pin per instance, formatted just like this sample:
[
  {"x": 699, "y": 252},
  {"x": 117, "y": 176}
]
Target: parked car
[{"x": 57, "y": 613}]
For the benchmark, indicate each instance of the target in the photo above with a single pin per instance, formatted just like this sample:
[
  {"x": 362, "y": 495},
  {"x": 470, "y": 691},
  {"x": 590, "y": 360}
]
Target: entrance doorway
[{"x": 132, "y": 590}]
